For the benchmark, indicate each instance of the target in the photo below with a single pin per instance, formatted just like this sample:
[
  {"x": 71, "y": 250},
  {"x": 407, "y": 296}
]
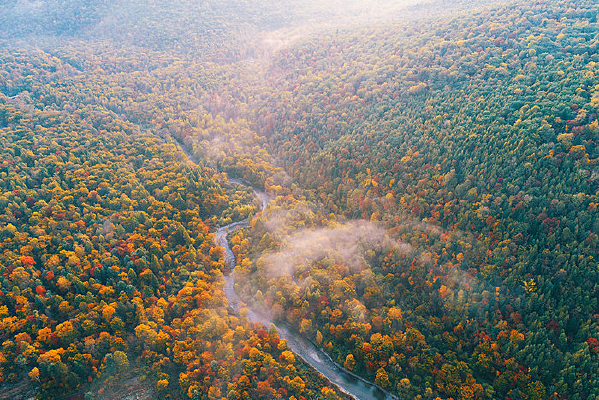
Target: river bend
[{"x": 351, "y": 384}]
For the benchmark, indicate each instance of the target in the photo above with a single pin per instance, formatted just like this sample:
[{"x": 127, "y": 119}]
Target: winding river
[{"x": 351, "y": 384}]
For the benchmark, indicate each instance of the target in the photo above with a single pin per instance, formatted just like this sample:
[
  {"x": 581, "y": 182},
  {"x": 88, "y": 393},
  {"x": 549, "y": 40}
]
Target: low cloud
[{"x": 345, "y": 244}]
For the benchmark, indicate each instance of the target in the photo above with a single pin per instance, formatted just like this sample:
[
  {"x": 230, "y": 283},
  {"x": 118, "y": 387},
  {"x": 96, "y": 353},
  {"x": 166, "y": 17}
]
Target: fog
[
  {"x": 344, "y": 244},
  {"x": 203, "y": 29}
]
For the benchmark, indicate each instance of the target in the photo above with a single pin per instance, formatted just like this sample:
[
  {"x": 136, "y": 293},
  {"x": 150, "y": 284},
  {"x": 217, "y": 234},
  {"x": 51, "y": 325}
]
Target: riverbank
[{"x": 348, "y": 382}]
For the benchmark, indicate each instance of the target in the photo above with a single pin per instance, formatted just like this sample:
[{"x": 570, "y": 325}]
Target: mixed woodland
[{"x": 435, "y": 183}]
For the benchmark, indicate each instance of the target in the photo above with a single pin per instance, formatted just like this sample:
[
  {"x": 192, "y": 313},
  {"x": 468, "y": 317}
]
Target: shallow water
[{"x": 347, "y": 382}]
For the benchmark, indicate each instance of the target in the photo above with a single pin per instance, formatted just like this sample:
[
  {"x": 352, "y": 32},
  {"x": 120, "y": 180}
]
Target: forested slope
[
  {"x": 436, "y": 178},
  {"x": 475, "y": 140},
  {"x": 108, "y": 263}
]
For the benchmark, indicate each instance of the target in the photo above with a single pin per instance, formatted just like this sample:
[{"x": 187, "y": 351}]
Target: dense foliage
[
  {"x": 108, "y": 264},
  {"x": 476, "y": 142},
  {"x": 435, "y": 225}
]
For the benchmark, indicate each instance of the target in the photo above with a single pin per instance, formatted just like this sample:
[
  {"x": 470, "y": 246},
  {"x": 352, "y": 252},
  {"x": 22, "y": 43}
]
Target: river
[{"x": 351, "y": 384}]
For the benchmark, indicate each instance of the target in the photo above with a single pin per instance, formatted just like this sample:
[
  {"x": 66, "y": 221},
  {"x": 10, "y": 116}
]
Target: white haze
[{"x": 345, "y": 244}]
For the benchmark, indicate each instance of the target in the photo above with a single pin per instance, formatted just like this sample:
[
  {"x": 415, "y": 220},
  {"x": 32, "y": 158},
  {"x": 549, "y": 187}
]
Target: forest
[{"x": 433, "y": 176}]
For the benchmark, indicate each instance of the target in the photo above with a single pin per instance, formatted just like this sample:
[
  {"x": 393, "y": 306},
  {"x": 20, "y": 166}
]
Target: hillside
[
  {"x": 476, "y": 143},
  {"x": 434, "y": 169}
]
